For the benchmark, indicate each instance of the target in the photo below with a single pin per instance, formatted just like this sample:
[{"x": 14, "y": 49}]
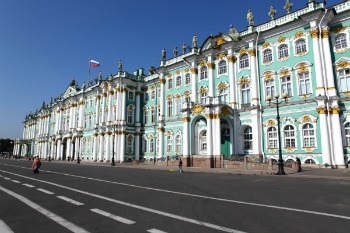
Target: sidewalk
[{"x": 307, "y": 171}]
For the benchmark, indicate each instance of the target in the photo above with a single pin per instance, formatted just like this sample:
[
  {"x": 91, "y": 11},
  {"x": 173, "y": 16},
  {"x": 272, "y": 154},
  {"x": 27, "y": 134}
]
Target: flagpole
[{"x": 89, "y": 67}]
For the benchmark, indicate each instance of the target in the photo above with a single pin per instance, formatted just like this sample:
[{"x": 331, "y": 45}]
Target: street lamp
[
  {"x": 78, "y": 159},
  {"x": 275, "y": 101},
  {"x": 114, "y": 126}
]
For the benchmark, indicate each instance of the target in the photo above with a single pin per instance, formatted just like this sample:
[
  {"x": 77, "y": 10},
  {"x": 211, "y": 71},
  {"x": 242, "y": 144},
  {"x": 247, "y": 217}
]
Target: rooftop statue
[
  {"x": 163, "y": 54},
  {"x": 175, "y": 51},
  {"x": 233, "y": 33},
  {"x": 272, "y": 12},
  {"x": 194, "y": 41},
  {"x": 90, "y": 82},
  {"x": 250, "y": 18},
  {"x": 288, "y": 7},
  {"x": 184, "y": 47},
  {"x": 152, "y": 70},
  {"x": 100, "y": 76},
  {"x": 83, "y": 86},
  {"x": 120, "y": 66}
]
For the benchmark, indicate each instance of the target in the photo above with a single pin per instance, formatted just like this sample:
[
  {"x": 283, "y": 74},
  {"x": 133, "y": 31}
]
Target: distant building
[{"x": 212, "y": 100}]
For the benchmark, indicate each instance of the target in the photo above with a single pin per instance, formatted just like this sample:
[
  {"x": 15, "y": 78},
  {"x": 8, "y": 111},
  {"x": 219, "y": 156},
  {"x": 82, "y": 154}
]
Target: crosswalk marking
[
  {"x": 45, "y": 191},
  {"x": 16, "y": 181},
  {"x": 4, "y": 228},
  {"x": 109, "y": 215},
  {"x": 155, "y": 231},
  {"x": 29, "y": 185},
  {"x": 70, "y": 200}
]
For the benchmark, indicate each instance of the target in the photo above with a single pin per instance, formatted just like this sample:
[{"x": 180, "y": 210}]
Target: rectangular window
[
  {"x": 304, "y": 84},
  {"x": 286, "y": 85}
]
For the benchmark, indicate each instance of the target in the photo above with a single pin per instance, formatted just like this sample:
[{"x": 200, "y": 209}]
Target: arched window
[
  {"x": 248, "y": 138},
  {"x": 283, "y": 51},
  {"x": 304, "y": 83},
  {"x": 129, "y": 147},
  {"x": 178, "y": 106},
  {"x": 170, "y": 108},
  {"x": 272, "y": 137},
  {"x": 289, "y": 136},
  {"x": 308, "y": 135},
  {"x": 204, "y": 73},
  {"x": 310, "y": 161},
  {"x": 203, "y": 96},
  {"x": 340, "y": 41},
  {"x": 144, "y": 145},
  {"x": 187, "y": 78},
  {"x": 347, "y": 133},
  {"x": 223, "y": 95},
  {"x": 269, "y": 87},
  {"x": 344, "y": 80},
  {"x": 178, "y": 81},
  {"x": 145, "y": 117},
  {"x": 286, "y": 85},
  {"x": 153, "y": 94},
  {"x": 153, "y": 115},
  {"x": 170, "y": 83},
  {"x": 151, "y": 145},
  {"x": 222, "y": 67},
  {"x": 245, "y": 94},
  {"x": 244, "y": 61},
  {"x": 178, "y": 144},
  {"x": 169, "y": 144},
  {"x": 267, "y": 56},
  {"x": 300, "y": 46},
  {"x": 130, "y": 115},
  {"x": 203, "y": 141}
]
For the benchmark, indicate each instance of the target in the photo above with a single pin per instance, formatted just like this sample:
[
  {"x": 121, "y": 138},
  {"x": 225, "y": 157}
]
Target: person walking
[
  {"x": 36, "y": 165},
  {"x": 180, "y": 166}
]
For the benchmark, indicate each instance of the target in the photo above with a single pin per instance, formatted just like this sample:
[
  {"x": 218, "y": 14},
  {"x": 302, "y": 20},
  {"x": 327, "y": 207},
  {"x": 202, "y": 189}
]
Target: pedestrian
[
  {"x": 180, "y": 166},
  {"x": 36, "y": 165}
]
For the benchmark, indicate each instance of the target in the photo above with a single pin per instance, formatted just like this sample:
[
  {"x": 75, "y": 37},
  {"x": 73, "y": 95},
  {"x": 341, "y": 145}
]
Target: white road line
[
  {"x": 70, "y": 200},
  {"x": 155, "y": 231},
  {"x": 16, "y": 181},
  {"x": 4, "y": 228},
  {"x": 45, "y": 191},
  {"x": 109, "y": 215},
  {"x": 63, "y": 222},
  {"x": 29, "y": 185},
  {"x": 6, "y": 178}
]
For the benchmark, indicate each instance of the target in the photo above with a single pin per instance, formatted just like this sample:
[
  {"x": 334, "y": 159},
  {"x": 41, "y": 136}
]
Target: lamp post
[
  {"x": 155, "y": 124},
  {"x": 276, "y": 101},
  {"x": 78, "y": 159},
  {"x": 114, "y": 126}
]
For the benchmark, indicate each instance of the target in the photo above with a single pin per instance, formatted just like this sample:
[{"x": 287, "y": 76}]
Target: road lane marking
[
  {"x": 112, "y": 216},
  {"x": 29, "y": 185},
  {"x": 154, "y": 211},
  {"x": 45, "y": 191},
  {"x": 70, "y": 200},
  {"x": 6, "y": 178},
  {"x": 63, "y": 222},
  {"x": 4, "y": 228},
  {"x": 16, "y": 181},
  {"x": 155, "y": 231}
]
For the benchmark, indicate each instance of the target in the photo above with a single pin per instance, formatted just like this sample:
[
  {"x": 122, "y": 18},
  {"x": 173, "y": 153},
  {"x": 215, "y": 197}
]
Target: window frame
[
  {"x": 289, "y": 136},
  {"x": 283, "y": 51},
  {"x": 244, "y": 62},
  {"x": 222, "y": 67},
  {"x": 248, "y": 138}
]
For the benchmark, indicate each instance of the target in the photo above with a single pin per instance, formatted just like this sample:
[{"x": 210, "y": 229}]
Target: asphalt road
[{"x": 78, "y": 198}]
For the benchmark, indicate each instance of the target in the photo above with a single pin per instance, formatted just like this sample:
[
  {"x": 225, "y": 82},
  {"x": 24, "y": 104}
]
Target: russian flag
[{"x": 94, "y": 63}]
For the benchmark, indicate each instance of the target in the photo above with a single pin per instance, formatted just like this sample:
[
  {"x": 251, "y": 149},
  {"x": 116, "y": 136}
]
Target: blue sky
[{"x": 46, "y": 43}]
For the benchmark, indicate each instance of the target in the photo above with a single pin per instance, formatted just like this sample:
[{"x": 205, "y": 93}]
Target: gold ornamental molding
[
  {"x": 187, "y": 70},
  {"x": 117, "y": 89},
  {"x": 302, "y": 68},
  {"x": 104, "y": 94},
  {"x": 339, "y": 29},
  {"x": 232, "y": 59},
  {"x": 272, "y": 150},
  {"x": 101, "y": 134},
  {"x": 177, "y": 72},
  {"x": 284, "y": 72},
  {"x": 98, "y": 97},
  {"x": 124, "y": 89},
  {"x": 222, "y": 86},
  {"x": 162, "y": 81},
  {"x": 334, "y": 110},
  {"x": 281, "y": 39},
  {"x": 138, "y": 133},
  {"x": 161, "y": 129},
  {"x": 211, "y": 65},
  {"x": 138, "y": 92},
  {"x": 242, "y": 51},
  {"x": 252, "y": 52},
  {"x": 321, "y": 110},
  {"x": 309, "y": 150},
  {"x": 220, "y": 40},
  {"x": 243, "y": 81},
  {"x": 306, "y": 119},
  {"x": 342, "y": 65},
  {"x": 186, "y": 119},
  {"x": 194, "y": 70},
  {"x": 203, "y": 63},
  {"x": 325, "y": 34},
  {"x": 314, "y": 33},
  {"x": 225, "y": 110},
  {"x": 265, "y": 45},
  {"x": 298, "y": 35},
  {"x": 111, "y": 92},
  {"x": 203, "y": 90},
  {"x": 271, "y": 123},
  {"x": 209, "y": 116},
  {"x": 197, "y": 109},
  {"x": 268, "y": 75},
  {"x": 109, "y": 133},
  {"x": 290, "y": 150},
  {"x": 95, "y": 134},
  {"x": 169, "y": 75}
]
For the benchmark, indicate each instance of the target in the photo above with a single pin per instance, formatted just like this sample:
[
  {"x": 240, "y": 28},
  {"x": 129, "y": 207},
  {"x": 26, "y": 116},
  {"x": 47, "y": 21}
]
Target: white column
[
  {"x": 194, "y": 73},
  {"x": 122, "y": 146},
  {"x": 185, "y": 137},
  {"x": 59, "y": 149},
  {"x": 337, "y": 138},
  {"x": 94, "y": 149},
  {"x": 317, "y": 58},
  {"x": 110, "y": 106},
  {"x": 103, "y": 120},
  {"x": 216, "y": 135},
  {"x": 211, "y": 69},
  {"x": 328, "y": 60},
  {"x": 209, "y": 135},
  {"x": 101, "y": 150},
  {"x": 68, "y": 149},
  {"x": 232, "y": 77},
  {"x": 326, "y": 155},
  {"x": 123, "y": 105},
  {"x": 81, "y": 114},
  {"x": 97, "y": 111},
  {"x": 137, "y": 146},
  {"x": 70, "y": 126},
  {"x": 138, "y": 107},
  {"x": 53, "y": 148},
  {"x": 108, "y": 146},
  {"x": 254, "y": 79}
]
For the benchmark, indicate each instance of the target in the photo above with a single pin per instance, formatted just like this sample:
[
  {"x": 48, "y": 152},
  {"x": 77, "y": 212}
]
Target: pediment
[
  {"x": 70, "y": 91},
  {"x": 215, "y": 41}
]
